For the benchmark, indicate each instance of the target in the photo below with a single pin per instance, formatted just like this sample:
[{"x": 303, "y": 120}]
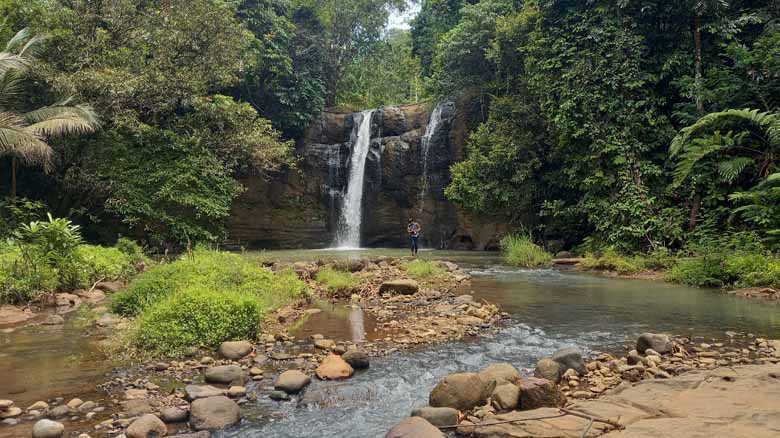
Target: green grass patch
[
  {"x": 610, "y": 260},
  {"x": 336, "y": 281},
  {"x": 520, "y": 250},
  {"x": 202, "y": 300},
  {"x": 736, "y": 269},
  {"x": 423, "y": 269}
]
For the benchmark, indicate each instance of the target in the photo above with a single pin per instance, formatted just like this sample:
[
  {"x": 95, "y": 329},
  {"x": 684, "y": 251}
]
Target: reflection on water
[
  {"x": 549, "y": 310},
  {"x": 340, "y": 322}
]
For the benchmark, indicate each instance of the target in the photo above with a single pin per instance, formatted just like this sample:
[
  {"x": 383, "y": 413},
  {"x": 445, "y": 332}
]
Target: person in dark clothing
[{"x": 414, "y": 229}]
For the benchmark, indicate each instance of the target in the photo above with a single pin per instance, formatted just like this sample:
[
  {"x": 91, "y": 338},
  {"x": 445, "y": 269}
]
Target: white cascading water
[
  {"x": 430, "y": 130},
  {"x": 348, "y": 235}
]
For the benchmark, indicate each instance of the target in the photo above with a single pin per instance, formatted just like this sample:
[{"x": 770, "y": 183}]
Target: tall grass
[
  {"x": 520, "y": 250},
  {"x": 336, "y": 281}
]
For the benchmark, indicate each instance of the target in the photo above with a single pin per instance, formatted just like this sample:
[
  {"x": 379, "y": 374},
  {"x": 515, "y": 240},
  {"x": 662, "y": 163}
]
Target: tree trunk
[
  {"x": 694, "y": 212},
  {"x": 699, "y": 77},
  {"x": 13, "y": 178}
]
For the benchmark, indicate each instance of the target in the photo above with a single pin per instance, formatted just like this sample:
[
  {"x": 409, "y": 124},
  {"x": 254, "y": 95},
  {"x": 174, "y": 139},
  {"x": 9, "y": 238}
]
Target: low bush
[
  {"x": 422, "y": 269},
  {"x": 197, "y": 317},
  {"x": 201, "y": 300},
  {"x": 734, "y": 269},
  {"x": 520, "y": 250},
  {"x": 336, "y": 281},
  {"x": 212, "y": 269}
]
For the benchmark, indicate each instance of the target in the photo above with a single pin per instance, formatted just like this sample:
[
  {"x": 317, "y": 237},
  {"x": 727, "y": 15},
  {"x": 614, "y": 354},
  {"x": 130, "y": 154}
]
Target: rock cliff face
[{"x": 301, "y": 208}]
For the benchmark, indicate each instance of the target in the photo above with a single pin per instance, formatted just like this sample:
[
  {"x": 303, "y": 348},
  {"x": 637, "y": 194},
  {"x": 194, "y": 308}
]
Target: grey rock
[
  {"x": 214, "y": 413},
  {"x": 278, "y": 395},
  {"x": 235, "y": 350},
  {"x": 403, "y": 287},
  {"x": 506, "y": 397},
  {"x": 658, "y": 342},
  {"x": 47, "y": 429},
  {"x": 438, "y": 417},
  {"x": 59, "y": 411},
  {"x": 225, "y": 374},
  {"x": 356, "y": 359},
  {"x": 147, "y": 426},
  {"x": 172, "y": 414},
  {"x": 570, "y": 358},
  {"x": 548, "y": 369},
  {"x": 292, "y": 381},
  {"x": 500, "y": 373},
  {"x": 195, "y": 392}
]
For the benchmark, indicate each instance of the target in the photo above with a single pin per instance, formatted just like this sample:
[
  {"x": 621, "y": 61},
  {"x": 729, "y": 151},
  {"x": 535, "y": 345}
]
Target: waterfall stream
[
  {"x": 348, "y": 235},
  {"x": 430, "y": 130}
]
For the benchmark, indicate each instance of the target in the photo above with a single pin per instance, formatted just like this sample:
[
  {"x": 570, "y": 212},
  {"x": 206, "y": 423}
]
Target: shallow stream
[{"x": 548, "y": 310}]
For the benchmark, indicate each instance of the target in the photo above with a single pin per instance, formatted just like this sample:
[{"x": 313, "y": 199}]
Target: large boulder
[
  {"x": 214, "y": 413},
  {"x": 506, "y": 397},
  {"x": 147, "y": 426},
  {"x": 195, "y": 392},
  {"x": 356, "y": 359},
  {"x": 500, "y": 373},
  {"x": 48, "y": 429},
  {"x": 539, "y": 393},
  {"x": 235, "y": 350},
  {"x": 461, "y": 391},
  {"x": 291, "y": 381},
  {"x": 414, "y": 427},
  {"x": 334, "y": 367},
  {"x": 224, "y": 374},
  {"x": 570, "y": 358},
  {"x": 653, "y": 341},
  {"x": 439, "y": 417},
  {"x": 403, "y": 287},
  {"x": 549, "y": 369},
  {"x": 173, "y": 414}
]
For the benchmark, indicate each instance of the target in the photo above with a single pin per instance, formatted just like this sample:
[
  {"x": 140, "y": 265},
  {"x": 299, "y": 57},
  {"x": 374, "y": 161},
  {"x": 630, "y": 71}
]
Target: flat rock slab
[{"x": 724, "y": 402}]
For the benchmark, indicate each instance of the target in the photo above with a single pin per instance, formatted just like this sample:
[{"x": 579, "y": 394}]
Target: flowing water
[
  {"x": 430, "y": 130},
  {"x": 348, "y": 235},
  {"x": 548, "y": 310}
]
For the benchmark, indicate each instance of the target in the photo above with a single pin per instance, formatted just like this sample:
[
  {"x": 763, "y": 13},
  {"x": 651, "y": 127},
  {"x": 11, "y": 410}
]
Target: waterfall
[
  {"x": 425, "y": 141},
  {"x": 348, "y": 235}
]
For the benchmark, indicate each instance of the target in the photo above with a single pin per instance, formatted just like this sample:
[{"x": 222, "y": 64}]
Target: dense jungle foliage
[{"x": 633, "y": 126}]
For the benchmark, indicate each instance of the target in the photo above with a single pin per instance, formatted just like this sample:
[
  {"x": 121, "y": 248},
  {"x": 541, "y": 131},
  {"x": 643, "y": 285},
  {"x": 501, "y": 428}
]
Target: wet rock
[
  {"x": 106, "y": 320},
  {"x": 48, "y": 429},
  {"x": 13, "y": 315},
  {"x": 538, "y": 393},
  {"x": 66, "y": 300},
  {"x": 334, "y": 367},
  {"x": 292, "y": 381},
  {"x": 11, "y": 412},
  {"x": 235, "y": 350},
  {"x": 173, "y": 414},
  {"x": 449, "y": 266},
  {"x": 506, "y": 397},
  {"x": 87, "y": 406},
  {"x": 214, "y": 413},
  {"x": 500, "y": 373},
  {"x": 201, "y": 434},
  {"x": 38, "y": 406},
  {"x": 464, "y": 299},
  {"x": 147, "y": 426},
  {"x": 658, "y": 342},
  {"x": 53, "y": 320},
  {"x": 461, "y": 391},
  {"x": 548, "y": 369},
  {"x": 356, "y": 359},
  {"x": 224, "y": 374},
  {"x": 278, "y": 395},
  {"x": 570, "y": 358},
  {"x": 59, "y": 411},
  {"x": 414, "y": 427},
  {"x": 236, "y": 391},
  {"x": 136, "y": 407},
  {"x": 403, "y": 287},
  {"x": 324, "y": 344},
  {"x": 195, "y": 392},
  {"x": 439, "y": 417}
]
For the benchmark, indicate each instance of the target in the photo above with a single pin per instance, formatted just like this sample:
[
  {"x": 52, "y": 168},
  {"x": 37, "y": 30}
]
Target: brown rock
[
  {"x": 414, "y": 427},
  {"x": 147, "y": 426},
  {"x": 538, "y": 393},
  {"x": 462, "y": 391},
  {"x": 334, "y": 367}
]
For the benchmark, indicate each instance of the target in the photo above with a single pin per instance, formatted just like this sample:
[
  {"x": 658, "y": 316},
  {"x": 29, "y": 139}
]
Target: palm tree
[{"x": 24, "y": 135}]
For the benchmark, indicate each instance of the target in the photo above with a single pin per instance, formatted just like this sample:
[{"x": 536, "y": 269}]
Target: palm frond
[
  {"x": 11, "y": 90},
  {"x": 60, "y": 119},
  {"x": 764, "y": 120},
  {"x": 729, "y": 170},
  {"x": 18, "y": 40},
  {"x": 697, "y": 151},
  {"x": 11, "y": 62},
  {"x": 18, "y": 140}
]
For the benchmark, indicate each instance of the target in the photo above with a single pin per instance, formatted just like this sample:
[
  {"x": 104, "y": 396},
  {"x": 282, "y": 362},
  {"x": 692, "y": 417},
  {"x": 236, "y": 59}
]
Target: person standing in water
[{"x": 414, "y": 229}]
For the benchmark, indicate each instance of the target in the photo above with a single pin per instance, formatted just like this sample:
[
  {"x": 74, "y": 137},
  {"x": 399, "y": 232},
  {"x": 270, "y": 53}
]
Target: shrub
[
  {"x": 211, "y": 269},
  {"x": 98, "y": 263},
  {"x": 198, "y": 316},
  {"x": 23, "y": 280},
  {"x": 421, "y": 269},
  {"x": 699, "y": 271},
  {"x": 610, "y": 260},
  {"x": 132, "y": 250},
  {"x": 336, "y": 281},
  {"x": 719, "y": 269},
  {"x": 519, "y": 250}
]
